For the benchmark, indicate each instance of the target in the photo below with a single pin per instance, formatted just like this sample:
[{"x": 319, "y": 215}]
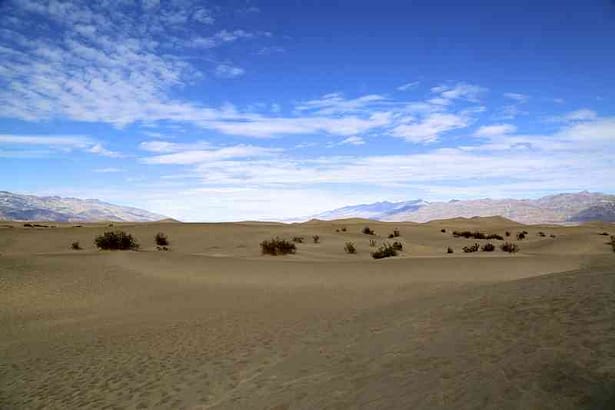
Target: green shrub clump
[
  {"x": 277, "y": 246},
  {"x": 477, "y": 235},
  {"x": 116, "y": 240}
]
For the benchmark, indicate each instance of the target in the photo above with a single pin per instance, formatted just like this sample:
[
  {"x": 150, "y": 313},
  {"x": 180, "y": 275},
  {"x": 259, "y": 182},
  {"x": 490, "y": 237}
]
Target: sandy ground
[{"x": 214, "y": 324}]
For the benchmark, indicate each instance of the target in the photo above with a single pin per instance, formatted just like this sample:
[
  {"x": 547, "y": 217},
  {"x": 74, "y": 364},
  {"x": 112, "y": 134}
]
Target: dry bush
[
  {"x": 477, "y": 235},
  {"x": 488, "y": 247},
  {"x": 507, "y": 233},
  {"x": 601, "y": 233},
  {"x": 75, "y": 245},
  {"x": 470, "y": 249},
  {"x": 395, "y": 233},
  {"x": 509, "y": 247},
  {"x": 397, "y": 246},
  {"x": 277, "y": 246},
  {"x": 385, "y": 251},
  {"x": 372, "y": 243},
  {"x": 344, "y": 229},
  {"x": 116, "y": 240},
  {"x": 367, "y": 231},
  {"x": 298, "y": 239},
  {"x": 449, "y": 250},
  {"x": 521, "y": 235},
  {"x": 541, "y": 234},
  {"x": 443, "y": 230},
  {"x": 350, "y": 248},
  {"x": 613, "y": 242},
  {"x": 161, "y": 239},
  {"x": 315, "y": 238}
]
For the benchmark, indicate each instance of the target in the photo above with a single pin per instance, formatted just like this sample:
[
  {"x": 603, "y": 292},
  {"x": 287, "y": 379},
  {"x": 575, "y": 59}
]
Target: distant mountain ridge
[
  {"x": 560, "y": 208},
  {"x": 19, "y": 207}
]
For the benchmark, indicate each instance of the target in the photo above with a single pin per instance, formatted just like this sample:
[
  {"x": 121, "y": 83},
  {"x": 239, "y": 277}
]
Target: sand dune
[{"x": 214, "y": 324}]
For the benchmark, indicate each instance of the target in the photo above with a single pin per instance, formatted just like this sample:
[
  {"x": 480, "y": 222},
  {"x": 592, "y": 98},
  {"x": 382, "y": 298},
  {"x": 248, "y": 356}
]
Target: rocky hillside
[
  {"x": 560, "y": 208},
  {"x": 54, "y": 208}
]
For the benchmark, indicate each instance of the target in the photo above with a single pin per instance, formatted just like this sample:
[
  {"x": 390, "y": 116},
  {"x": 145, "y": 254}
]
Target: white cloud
[
  {"x": 213, "y": 154},
  {"x": 221, "y": 37},
  {"x": 107, "y": 170},
  {"x": 518, "y": 97},
  {"x": 57, "y": 142},
  {"x": 229, "y": 71},
  {"x": 408, "y": 86},
  {"x": 429, "y": 129},
  {"x": 495, "y": 130},
  {"x": 581, "y": 115},
  {"x": 461, "y": 91},
  {"x": 354, "y": 140}
]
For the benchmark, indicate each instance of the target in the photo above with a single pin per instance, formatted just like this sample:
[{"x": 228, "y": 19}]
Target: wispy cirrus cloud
[{"x": 56, "y": 143}]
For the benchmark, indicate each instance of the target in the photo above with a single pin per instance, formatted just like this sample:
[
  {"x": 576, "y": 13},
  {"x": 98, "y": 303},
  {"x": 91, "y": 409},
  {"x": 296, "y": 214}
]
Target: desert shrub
[
  {"x": 385, "y": 251},
  {"x": 470, "y": 249},
  {"x": 337, "y": 230},
  {"x": 443, "y": 230},
  {"x": 601, "y": 233},
  {"x": 521, "y": 236},
  {"x": 372, "y": 243},
  {"x": 541, "y": 234},
  {"x": 116, "y": 240},
  {"x": 162, "y": 248},
  {"x": 277, "y": 246},
  {"x": 161, "y": 239},
  {"x": 77, "y": 226},
  {"x": 349, "y": 248},
  {"x": 613, "y": 242},
  {"x": 509, "y": 247},
  {"x": 298, "y": 239},
  {"x": 477, "y": 235},
  {"x": 397, "y": 246},
  {"x": 396, "y": 233},
  {"x": 449, "y": 250},
  {"x": 488, "y": 247},
  {"x": 28, "y": 225},
  {"x": 315, "y": 238},
  {"x": 507, "y": 233},
  {"x": 552, "y": 236},
  {"x": 367, "y": 231},
  {"x": 344, "y": 229},
  {"x": 75, "y": 245}
]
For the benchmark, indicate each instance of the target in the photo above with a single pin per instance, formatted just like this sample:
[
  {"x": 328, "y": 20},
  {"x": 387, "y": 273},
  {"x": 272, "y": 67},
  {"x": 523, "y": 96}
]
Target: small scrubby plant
[
  {"x": 161, "y": 239},
  {"x": 541, "y": 234},
  {"x": 277, "y": 246},
  {"x": 75, "y": 246},
  {"x": 367, "y": 231},
  {"x": 298, "y": 239},
  {"x": 344, "y": 229},
  {"x": 613, "y": 242},
  {"x": 315, "y": 238},
  {"x": 507, "y": 233},
  {"x": 449, "y": 250},
  {"x": 470, "y": 249},
  {"x": 116, "y": 240},
  {"x": 397, "y": 246},
  {"x": 509, "y": 247},
  {"x": 385, "y": 251},
  {"x": 552, "y": 236},
  {"x": 443, "y": 230},
  {"x": 604, "y": 233},
  {"x": 521, "y": 236},
  {"x": 395, "y": 233},
  {"x": 477, "y": 235},
  {"x": 349, "y": 248},
  {"x": 488, "y": 247},
  {"x": 372, "y": 243}
]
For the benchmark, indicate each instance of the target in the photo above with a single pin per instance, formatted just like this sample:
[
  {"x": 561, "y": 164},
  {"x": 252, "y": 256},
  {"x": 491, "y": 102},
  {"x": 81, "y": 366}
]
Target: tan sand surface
[{"x": 212, "y": 323}]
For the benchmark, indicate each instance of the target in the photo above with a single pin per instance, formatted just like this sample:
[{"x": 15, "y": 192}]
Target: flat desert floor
[{"x": 212, "y": 323}]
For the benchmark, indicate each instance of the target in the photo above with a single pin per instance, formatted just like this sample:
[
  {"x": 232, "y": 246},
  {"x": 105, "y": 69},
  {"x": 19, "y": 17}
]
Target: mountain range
[
  {"x": 54, "y": 208},
  {"x": 560, "y": 208}
]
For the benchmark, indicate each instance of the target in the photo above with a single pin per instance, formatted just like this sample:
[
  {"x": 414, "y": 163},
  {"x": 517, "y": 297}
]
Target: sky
[{"x": 261, "y": 109}]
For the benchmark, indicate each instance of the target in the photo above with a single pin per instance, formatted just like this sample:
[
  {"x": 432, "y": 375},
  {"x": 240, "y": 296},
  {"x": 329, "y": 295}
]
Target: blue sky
[{"x": 211, "y": 111}]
